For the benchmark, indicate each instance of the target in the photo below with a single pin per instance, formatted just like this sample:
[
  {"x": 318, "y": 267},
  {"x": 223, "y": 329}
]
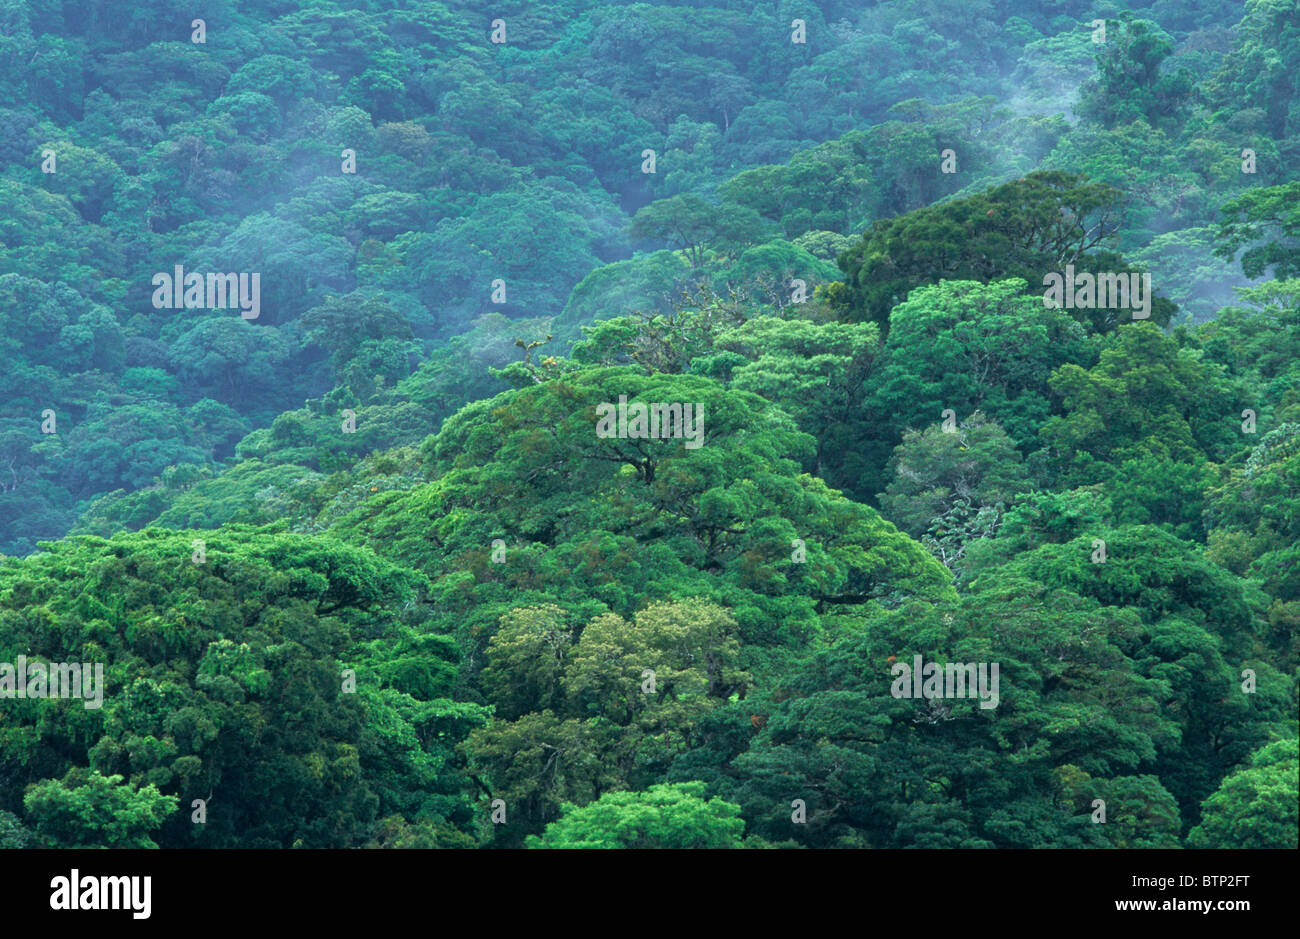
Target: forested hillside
[{"x": 341, "y": 343}]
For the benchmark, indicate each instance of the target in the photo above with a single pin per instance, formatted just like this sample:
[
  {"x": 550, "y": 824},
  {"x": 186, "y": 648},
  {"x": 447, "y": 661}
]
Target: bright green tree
[{"x": 663, "y": 816}]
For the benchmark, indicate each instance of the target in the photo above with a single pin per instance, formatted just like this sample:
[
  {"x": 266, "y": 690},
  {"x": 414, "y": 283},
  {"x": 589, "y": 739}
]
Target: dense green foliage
[{"x": 364, "y": 572}]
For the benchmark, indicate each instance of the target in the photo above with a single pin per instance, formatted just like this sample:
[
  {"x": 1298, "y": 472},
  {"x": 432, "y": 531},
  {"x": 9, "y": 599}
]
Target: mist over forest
[{"x": 720, "y": 424}]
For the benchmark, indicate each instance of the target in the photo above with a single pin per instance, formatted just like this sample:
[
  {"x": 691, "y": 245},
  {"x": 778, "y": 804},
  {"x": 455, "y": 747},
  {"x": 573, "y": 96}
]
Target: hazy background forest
[{"x": 360, "y": 572}]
